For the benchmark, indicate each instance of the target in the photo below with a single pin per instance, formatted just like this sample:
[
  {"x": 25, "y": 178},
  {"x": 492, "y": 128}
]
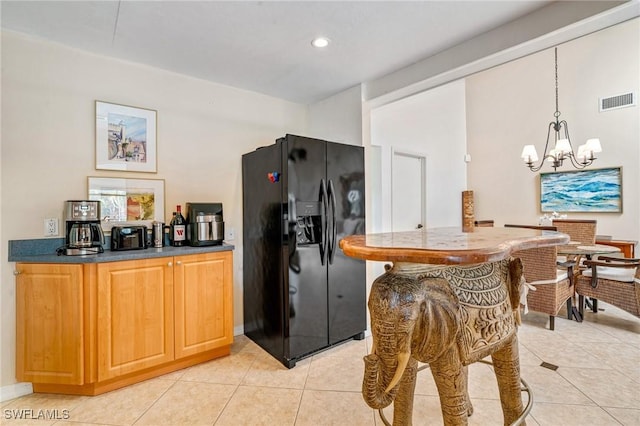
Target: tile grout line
[
  {"x": 304, "y": 389},
  {"x": 154, "y": 402},
  {"x": 226, "y": 404}
]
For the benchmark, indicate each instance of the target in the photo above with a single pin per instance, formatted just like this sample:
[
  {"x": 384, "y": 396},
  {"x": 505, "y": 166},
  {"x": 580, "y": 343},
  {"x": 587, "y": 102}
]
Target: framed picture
[
  {"x": 125, "y": 138},
  {"x": 128, "y": 201},
  {"x": 597, "y": 190}
]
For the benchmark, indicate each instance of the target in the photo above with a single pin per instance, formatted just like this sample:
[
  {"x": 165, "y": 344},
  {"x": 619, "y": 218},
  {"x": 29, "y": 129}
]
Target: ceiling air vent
[{"x": 618, "y": 101}]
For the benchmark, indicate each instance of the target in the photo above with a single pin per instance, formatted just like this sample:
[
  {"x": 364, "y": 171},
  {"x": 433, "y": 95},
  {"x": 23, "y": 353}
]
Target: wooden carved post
[{"x": 467, "y": 211}]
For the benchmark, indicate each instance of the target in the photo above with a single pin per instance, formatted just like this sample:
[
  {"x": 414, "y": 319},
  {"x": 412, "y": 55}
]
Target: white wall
[
  {"x": 431, "y": 123},
  {"x": 511, "y": 105},
  {"x": 338, "y": 118},
  {"x": 48, "y": 116}
]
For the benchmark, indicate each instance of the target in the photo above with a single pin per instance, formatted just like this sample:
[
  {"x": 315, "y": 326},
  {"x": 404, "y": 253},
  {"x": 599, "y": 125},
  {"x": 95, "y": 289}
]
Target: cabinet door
[
  {"x": 203, "y": 302},
  {"x": 49, "y": 323},
  {"x": 135, "y": 315}
]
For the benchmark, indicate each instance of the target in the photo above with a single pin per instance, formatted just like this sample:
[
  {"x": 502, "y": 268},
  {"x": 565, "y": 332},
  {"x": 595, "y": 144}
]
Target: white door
[{"x": 408, "y": 191}]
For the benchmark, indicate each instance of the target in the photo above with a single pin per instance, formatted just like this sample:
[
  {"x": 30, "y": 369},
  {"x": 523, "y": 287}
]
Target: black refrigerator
[{"x": 301, "y": 293}]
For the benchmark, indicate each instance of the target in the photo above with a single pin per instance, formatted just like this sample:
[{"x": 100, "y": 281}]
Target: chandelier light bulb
[
  {"x": 563, "y": 146},
  {"x": 583, "y": 153},
  {"x": 529, "y": 154},
  {"x": 593, "y": 145}
]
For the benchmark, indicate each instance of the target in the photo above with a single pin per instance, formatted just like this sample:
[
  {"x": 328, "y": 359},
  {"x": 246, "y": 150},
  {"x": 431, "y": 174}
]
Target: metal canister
[{"x": 157, "y": 234}]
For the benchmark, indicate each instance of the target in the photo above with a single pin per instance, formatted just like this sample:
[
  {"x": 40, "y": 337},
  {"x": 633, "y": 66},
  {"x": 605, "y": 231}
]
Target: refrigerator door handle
[
  {"x": 323, "y": 221},
  {"x": 334, "y": 232}
]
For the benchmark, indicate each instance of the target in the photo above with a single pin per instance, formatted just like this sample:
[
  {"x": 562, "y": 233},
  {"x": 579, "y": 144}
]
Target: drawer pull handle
[
  {"x": 16, "y": 273},
  {"x": 178, "y": 263},
  {"x": 170, "y": 264}
]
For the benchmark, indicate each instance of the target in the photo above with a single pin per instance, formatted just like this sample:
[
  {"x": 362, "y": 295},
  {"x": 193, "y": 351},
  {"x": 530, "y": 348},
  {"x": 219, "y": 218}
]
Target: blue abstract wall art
[{"x": 597, "y": 190}]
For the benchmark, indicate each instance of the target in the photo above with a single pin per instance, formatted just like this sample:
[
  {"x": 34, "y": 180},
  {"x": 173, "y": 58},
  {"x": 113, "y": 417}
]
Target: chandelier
[{"x": 562, "y": 149}]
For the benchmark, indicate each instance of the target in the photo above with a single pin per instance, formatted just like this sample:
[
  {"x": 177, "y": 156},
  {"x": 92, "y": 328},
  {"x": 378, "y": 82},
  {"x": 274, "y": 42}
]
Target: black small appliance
[
  {"x": 205, "y": 225},
  {"x": 128, "y": 238}
]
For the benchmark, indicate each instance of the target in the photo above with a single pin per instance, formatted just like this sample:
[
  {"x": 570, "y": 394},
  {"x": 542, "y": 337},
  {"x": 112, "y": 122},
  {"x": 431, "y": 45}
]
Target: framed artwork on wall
[
  {"x": 128, "y": 201},
  {"x": 593, "y": 191},
  {"x": 125, "y": 138}
]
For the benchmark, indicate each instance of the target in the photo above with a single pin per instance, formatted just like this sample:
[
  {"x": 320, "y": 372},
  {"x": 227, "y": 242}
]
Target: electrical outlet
[
  {"x": 51, "y": 227},
  {"x": 231, "y": 234}
]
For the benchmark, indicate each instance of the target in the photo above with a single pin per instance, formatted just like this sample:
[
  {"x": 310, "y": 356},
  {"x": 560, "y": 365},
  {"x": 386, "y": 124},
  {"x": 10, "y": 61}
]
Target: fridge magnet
[
  {"x": 125, "y": 138},
  {"x": 128, "y": 201},
  {"x": 274, "y": 177}
]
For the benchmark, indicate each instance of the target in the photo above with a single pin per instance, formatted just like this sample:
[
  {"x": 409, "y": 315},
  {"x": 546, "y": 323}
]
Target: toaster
[{"x": 128, "y": 238}]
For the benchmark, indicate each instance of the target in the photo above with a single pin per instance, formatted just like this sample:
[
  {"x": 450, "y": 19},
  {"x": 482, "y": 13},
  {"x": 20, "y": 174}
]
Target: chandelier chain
[{"x": 557, "y": 113}]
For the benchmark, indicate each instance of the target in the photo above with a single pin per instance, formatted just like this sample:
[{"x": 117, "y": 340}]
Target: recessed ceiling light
[{"x": 320, "y": 42}]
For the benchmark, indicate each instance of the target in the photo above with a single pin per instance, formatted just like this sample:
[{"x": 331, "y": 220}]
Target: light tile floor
[{"x": 597, "y": 382}]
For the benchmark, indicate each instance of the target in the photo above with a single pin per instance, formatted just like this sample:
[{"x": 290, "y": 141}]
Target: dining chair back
[
  {"x": 483, "y": 223},
  {"x": 538, "y": 227},
  {"x": 548, "y": 288},
  {"x": 582, "y": 231}
]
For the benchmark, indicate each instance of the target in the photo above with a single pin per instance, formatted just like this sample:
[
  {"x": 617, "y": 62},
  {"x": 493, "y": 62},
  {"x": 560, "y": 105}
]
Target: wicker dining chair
[
  {"x": 551, "y": 286},
  {"x": 613, "y": 280},
  {"x": 581, "y": 231}
]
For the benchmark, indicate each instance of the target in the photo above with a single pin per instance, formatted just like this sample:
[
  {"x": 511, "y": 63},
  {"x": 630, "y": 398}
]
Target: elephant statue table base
[
  {"x": 450, "y": 299},
  {"x": 447, "y": 317}
]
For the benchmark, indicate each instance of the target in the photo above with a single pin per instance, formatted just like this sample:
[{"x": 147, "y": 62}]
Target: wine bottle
[
  {"x": 178, "y": 227},
  {"x": 173, "y": 219}
]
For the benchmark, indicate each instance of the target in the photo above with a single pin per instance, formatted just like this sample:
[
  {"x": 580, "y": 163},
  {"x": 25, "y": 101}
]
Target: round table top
[
  {"x": 448, "y": 246},
  {"x": 586, "y": 249}
]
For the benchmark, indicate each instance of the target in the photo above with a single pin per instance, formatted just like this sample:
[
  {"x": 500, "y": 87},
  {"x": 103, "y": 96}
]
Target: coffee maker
[{"x": 82, "y": 230}]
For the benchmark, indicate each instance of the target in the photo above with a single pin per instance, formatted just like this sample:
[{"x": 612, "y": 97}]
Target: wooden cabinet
[
  {"x": 49, "y": 324},
  {"x": 203, "y": 303},
  {"x": 135, "y": 316},
  {"x": 90, "y": 328}
]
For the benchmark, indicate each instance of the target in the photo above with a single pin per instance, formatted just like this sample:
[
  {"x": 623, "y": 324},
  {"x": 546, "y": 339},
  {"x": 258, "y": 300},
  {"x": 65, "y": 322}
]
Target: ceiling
[{"x": 265, "y": 46}]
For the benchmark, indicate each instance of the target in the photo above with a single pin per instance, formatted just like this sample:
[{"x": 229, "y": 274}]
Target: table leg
[
  {"x": 591, "y": 304},
  {"x": 451, "y": 379},
  {"x": 504, "y": 362}
]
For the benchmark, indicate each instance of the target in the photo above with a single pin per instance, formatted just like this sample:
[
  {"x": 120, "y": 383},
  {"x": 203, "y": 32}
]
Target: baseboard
[
  {"x": 15, "y": 390},
  {"x": 238, "y": 330}
]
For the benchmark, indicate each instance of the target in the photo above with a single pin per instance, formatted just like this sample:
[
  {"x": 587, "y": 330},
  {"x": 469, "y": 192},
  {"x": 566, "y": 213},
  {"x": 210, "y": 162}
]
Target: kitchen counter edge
[{"x": 117, "y": 256}]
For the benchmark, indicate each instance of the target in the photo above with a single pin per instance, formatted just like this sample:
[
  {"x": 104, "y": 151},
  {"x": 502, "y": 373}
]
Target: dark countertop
[{"x": 44, "y": 251}]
